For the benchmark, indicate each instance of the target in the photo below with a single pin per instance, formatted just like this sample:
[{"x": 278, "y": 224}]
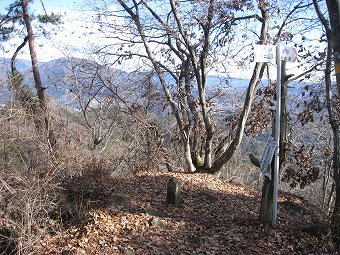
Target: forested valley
[{"x": 172, "y": 127}]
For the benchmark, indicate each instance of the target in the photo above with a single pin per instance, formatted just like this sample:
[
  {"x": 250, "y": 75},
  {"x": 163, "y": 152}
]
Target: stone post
[{"x": 173, "y": 192}]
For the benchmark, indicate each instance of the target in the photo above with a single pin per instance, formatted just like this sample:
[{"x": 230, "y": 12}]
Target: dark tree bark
[
  {"x": 333, "y": 36},
  {"x": 266, "y": 210},
  {"x": 22, "y": 93},
  {"x": 284, "y": 113},
  {"x": 334, "y": 16},
  {"x": 336, "y": 167}
]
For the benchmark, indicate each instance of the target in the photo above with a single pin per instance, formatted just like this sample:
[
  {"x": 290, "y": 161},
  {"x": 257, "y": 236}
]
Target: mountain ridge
[{"x": 58, "y": 76}]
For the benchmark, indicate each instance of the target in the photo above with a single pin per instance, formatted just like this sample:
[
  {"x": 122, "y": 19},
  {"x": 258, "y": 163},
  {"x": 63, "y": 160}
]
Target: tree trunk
[
  {"x": 334, "y": 16},
  {"x": 225, "y": 151},
  {"x": 336, "y": 173},
  {"x": 26, "y": 98},
  {"x": 266, "y": 210},
  {"x": 284, "y": 114},
  {"x": 187, "y": 155},
  {"x": 44, "y": 126},
  {"x": 229, "y": 152},
  {"x": 334, "y": 36},
  {"x": 169, "y": 97}
]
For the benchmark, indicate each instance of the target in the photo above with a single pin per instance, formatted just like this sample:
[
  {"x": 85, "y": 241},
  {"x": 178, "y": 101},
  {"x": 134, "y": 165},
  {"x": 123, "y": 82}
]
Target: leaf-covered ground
[{"x": 216, "y": 218}]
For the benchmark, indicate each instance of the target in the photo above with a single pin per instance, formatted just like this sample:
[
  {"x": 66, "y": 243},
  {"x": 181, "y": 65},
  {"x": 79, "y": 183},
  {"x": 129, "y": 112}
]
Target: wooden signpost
[{"x": 270, "y": 53}]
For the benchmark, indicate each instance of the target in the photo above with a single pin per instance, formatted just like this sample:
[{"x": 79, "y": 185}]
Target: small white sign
[
  {"x": 289, "y": 54},
  {"x": 267, "y": 156},
  {"x": 265, "y": 53}
]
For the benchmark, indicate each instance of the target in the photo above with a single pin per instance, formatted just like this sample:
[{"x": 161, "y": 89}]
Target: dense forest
[{"x": 154, "y": 138}]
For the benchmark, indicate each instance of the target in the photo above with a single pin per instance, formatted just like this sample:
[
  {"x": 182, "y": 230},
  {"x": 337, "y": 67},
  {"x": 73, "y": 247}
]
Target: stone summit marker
[{"x": 173, "y": 192}]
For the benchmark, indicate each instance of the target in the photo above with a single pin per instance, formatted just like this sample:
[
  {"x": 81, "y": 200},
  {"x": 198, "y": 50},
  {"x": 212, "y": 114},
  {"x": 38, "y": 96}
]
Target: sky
[
  {"x": 69, "y": 37},
  {"x": 78, "y": 36},
  {"x": 49, "y": 4},
  {"x": 73, "y": 38}
]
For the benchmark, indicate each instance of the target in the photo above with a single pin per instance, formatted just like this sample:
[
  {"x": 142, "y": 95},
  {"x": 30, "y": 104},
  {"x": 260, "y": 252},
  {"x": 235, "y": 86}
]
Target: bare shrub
[
  {"x": 89, "y": 188},
  {"x": 240, "y": 170},
  {"x": 27, "y": 189}
]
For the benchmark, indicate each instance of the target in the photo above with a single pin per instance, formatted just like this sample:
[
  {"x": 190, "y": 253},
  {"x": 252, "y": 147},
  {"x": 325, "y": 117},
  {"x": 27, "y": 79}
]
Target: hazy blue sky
[
  {"x": 48, "y": 4},
  {"x": 67, "y": 37},
  {"x": 77, "y": 36}
]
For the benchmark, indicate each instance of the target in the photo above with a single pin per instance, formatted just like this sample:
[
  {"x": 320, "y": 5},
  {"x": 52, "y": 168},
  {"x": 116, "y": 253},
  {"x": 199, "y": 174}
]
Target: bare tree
[
  {"x": 332, "y": 28},
  {"x": 182, "y": 41},
  {"x": 35, "y": 68},
  {"x": 18, "y": 12}
]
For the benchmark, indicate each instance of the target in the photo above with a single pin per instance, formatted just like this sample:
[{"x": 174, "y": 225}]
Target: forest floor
[{"x": 215, "y": 218}]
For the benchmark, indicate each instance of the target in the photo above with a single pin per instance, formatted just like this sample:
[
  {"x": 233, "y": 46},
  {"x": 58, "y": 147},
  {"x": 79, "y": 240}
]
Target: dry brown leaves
[{"x": 216, "y": 218}]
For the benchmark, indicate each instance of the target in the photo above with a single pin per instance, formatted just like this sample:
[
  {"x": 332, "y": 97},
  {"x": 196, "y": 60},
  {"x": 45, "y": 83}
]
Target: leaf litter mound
[{"x": 214, "y": 218}]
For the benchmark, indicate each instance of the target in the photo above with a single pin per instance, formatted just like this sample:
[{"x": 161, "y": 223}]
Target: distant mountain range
[
  {"x": 64, "y": 79},
  {"x": 69, "y": 80}
]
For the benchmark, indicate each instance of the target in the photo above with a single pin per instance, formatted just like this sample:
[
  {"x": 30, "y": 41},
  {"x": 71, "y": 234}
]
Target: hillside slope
[{"x": 216, "y": 218}]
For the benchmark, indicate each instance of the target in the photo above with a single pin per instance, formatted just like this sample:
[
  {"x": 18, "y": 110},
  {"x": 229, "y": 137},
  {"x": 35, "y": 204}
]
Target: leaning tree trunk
[
  {"x": 225, "y": 151},
  {"x": 22, "y": 93},
  {"x": 44, "y": 123}
]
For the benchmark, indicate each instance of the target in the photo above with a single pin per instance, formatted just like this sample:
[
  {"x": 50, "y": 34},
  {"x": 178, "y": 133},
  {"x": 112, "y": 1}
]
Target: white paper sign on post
[
  {"x": 289, "y": 54},
  {"x": 265, "y": 53}
]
